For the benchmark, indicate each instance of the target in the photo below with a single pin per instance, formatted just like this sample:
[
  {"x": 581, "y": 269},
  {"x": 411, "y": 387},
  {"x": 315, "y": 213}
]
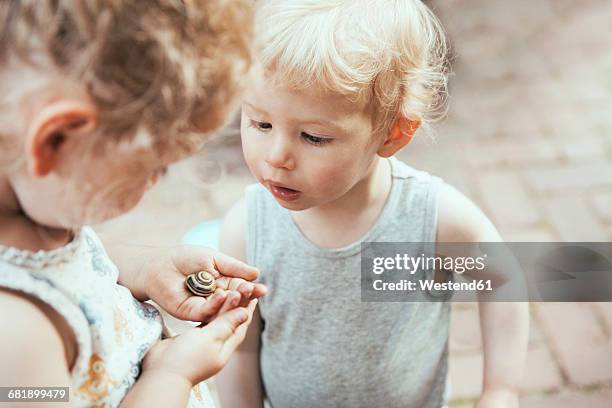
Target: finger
[
  {"x": 250, "y": 291},
  {"x": 246, "y": 290},
  {"x": 231, "y": 302},
  {"x": 221, "y": 290},
  {"x": 229, "y": 266},
  {"x": 228, "y": 283},
  {"x": 191, "y": 259},
  {"x": 232, "y": 342},
  {"x": 199, "y": 309},
  {"x": 259, "y": 290},
  {"x": 224, "y": 326}
]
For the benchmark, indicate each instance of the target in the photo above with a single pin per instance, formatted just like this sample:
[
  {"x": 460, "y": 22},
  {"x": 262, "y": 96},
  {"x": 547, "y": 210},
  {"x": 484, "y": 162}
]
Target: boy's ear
[
  {"x": 400, "y": 135},
  {"x": 54, "y": 125}
]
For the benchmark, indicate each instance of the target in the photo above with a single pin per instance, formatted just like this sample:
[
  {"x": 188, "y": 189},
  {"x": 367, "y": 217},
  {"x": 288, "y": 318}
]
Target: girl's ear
[
  {"x": 52, "y": 127},
  {"x": 400, "y": 135}
]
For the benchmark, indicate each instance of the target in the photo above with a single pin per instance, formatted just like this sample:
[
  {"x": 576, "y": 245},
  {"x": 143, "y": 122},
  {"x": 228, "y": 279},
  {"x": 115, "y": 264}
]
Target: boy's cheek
[
  {"x": 252, "y": 152},
  {"x": 331, "y": 179}
]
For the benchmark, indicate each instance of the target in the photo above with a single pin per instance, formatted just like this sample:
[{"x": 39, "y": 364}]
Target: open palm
[{"x": 165, "y": 282}]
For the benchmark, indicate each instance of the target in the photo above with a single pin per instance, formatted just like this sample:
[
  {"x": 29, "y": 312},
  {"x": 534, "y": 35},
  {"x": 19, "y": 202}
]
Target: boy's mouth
[{"x": 283, "y": 193}]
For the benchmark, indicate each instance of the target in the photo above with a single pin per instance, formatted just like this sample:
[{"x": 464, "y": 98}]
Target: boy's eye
[
  {"x": 263, "y": 126},
  {"x": 315, "y": 140}
]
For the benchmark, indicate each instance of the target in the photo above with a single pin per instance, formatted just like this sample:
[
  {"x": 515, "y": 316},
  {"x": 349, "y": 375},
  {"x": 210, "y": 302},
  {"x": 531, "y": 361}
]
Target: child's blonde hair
[
  {"x": 389, "y": 55},
  {"x": 168, "y": 67}
]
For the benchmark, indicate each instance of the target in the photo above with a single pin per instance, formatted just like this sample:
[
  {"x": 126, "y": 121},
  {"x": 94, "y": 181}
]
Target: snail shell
[{"x": 201, "y": 283}]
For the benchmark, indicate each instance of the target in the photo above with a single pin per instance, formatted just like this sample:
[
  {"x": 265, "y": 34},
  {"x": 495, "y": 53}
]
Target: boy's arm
[
  {"x": 505, "y": 326},
  {"x": 239, "y": 383}
]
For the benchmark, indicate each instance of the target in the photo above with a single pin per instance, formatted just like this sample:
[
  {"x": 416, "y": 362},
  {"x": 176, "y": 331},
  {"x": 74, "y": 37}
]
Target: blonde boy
[{"x": 340, "y": 87}]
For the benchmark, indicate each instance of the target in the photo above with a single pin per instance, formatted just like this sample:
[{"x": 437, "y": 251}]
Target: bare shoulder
[
  {"x": 33, "y": 350},
  {"x": 461, "y": 220},
  {"x": 233, "y": 231}
]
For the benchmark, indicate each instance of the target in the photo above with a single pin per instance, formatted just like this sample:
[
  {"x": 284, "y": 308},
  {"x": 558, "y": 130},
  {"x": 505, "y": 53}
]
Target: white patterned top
[{"x": 112, "y": 329}]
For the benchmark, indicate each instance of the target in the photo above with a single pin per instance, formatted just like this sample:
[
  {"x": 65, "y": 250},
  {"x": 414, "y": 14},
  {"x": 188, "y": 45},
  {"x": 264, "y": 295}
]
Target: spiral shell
[{"x": 201, "y": 283}]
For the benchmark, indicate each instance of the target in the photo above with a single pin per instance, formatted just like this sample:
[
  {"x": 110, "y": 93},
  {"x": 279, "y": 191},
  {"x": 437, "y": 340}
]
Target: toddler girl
[{"x": 97, "y": 98}]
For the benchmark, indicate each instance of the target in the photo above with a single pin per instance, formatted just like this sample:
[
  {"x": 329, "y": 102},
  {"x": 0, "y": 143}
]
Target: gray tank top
[{"x": 321, "y": 346}]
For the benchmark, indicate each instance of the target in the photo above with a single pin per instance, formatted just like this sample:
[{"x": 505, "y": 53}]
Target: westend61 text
[{"x": 429, "y": 285}]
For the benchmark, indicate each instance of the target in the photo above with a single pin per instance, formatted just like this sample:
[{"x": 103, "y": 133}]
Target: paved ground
[{"x": 528, "y": 137}]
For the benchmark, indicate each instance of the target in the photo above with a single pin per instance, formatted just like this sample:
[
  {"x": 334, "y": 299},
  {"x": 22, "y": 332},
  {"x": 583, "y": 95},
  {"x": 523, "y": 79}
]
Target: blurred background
[{"x": 528, "y": 137}]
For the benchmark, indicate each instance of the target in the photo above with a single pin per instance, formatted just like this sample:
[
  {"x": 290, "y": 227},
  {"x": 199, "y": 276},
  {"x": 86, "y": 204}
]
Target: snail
[{"x": 201, "y": 283}]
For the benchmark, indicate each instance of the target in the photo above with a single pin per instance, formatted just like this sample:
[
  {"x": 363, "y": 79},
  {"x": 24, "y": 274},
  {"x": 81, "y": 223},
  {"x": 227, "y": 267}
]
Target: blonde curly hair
[
  {"x": 388, "y": 55},
  {"x": 170, "y": 67}
]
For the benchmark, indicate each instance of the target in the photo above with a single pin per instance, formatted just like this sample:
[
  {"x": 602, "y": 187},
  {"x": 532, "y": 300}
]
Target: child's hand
[
  {"x": 201, "y": 352},
  {"x": 164, "y": 275},
  {"x": 498, "y": 399}
]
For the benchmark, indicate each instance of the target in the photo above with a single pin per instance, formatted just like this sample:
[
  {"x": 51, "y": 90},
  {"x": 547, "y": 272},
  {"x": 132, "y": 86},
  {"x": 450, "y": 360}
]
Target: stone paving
[{"x": 528, "y": 137}]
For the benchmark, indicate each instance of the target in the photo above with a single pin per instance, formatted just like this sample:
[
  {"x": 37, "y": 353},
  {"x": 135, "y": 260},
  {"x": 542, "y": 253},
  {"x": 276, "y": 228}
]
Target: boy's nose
[{"x": 279, "y": 155}]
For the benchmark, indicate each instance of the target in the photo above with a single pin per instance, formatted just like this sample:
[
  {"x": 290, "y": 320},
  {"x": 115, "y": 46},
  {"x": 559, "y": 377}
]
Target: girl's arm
[
  {"x": 140, "y": 265},
  {"x": 239, "y": 383},
  {"x": 505, "y": 326},
  {"x": 32, "y": 351},
  {"x": 130, "y": 260},
  {"x": 159, "y": 273},
  {"x": 173, "y": 366},
  {"x": 158, "y": 389}
]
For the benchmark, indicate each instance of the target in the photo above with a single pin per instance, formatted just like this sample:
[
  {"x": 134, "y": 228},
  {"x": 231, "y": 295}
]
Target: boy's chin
[{"x": 297, "y": 205}]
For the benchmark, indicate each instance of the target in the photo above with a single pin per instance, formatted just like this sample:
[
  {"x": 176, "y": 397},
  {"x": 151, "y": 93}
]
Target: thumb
[
  {"x": 230, "y": 266},
  {"x": 190, "y": 259},
  {"x": 240, "y": 333},
  {"x": 224, "y": 326}
]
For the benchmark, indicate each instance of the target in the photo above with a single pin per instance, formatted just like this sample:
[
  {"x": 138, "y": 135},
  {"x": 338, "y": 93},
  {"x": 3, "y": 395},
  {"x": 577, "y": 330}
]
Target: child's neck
[
  {"x": 19, "y": 231},
  {"x": 348, "y": 218}
]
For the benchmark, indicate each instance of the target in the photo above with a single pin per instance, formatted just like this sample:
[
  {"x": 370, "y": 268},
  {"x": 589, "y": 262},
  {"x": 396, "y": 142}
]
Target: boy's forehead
[{"x": 266, "y": 95}]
